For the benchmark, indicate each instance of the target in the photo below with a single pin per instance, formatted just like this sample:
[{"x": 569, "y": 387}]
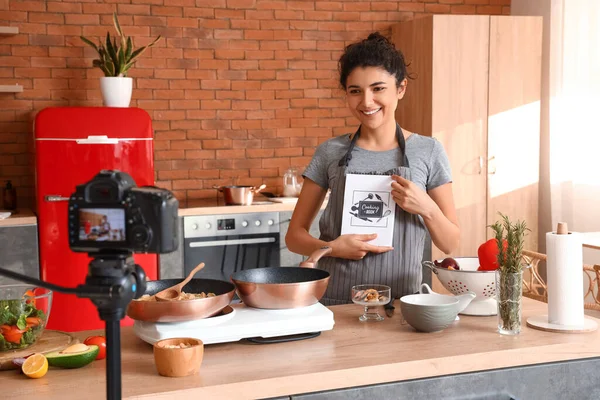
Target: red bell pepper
[{"x": 488, "y": 255}]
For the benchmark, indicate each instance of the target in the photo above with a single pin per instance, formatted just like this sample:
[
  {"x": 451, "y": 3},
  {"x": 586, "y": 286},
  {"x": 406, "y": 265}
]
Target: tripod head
[{"x": 113, "y": 280}]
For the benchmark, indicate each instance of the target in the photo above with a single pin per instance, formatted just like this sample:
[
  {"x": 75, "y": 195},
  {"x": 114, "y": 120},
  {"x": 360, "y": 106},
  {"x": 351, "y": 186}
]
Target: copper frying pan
[
  {"x": 184, "y": 310},
  {"x": 283, "y": 287}
]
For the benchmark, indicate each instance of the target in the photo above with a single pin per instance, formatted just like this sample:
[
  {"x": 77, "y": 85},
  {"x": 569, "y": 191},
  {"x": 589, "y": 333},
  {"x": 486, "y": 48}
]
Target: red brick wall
[{"x": 236, "y": 88}]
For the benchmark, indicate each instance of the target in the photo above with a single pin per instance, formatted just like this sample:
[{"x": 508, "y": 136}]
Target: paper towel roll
[{"x": 565, "y": 278}]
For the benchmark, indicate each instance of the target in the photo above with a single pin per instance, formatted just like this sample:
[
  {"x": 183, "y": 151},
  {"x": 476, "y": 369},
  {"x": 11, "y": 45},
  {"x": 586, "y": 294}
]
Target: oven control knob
[
  {"x": 257, "y": 223},
  {"x": 244, "y": 223},
  {"x": 270, "y": 222},
  {"x": 195, "y": 227},
  {"x": 208, "y": 225}
]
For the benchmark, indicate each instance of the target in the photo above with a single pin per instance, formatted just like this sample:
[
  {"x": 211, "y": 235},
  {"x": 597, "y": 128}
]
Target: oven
[{"x": 229, "y": 243}]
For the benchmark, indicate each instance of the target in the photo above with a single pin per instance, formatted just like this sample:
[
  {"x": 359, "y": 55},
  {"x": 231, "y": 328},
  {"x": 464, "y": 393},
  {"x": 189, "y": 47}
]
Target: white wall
[{"x": 570, "y": 111}]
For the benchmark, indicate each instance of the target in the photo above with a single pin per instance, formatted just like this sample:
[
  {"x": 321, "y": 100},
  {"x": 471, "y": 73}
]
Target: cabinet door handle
[
  {"x": 53, "y": 198},
  {"x": 492, "y": 161},
  {"x": 480, "y": 165}
]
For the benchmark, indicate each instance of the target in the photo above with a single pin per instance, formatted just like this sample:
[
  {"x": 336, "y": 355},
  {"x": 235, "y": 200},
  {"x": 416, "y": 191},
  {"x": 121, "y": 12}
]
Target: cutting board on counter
[{"x": 49, "y": 341}]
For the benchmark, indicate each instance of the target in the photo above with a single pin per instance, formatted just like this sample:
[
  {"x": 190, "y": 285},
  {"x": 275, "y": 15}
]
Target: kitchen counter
[
  {"x": 22, "y": 217},
  {"x": 217, "y": 206},
  {"x": 352, "y": 354}
]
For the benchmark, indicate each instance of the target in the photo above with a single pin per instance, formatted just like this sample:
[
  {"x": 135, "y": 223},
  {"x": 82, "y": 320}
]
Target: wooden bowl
[{"x": 178, "y": 361}]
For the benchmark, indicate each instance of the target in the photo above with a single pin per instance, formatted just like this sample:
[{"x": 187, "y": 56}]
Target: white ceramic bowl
[
  {"x": 468, "y": 279},
  {"x": 429, "y": 312}
]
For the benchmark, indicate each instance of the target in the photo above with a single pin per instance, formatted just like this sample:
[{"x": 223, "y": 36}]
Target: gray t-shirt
[{"x": 427, "y": 159}]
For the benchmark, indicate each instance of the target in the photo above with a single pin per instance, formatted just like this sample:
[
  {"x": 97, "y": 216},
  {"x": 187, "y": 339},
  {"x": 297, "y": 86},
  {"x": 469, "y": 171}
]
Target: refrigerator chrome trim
[{"x": 53, "y": 198}]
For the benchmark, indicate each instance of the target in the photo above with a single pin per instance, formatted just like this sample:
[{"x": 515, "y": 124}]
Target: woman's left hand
[{"x": 410, "y": 197}]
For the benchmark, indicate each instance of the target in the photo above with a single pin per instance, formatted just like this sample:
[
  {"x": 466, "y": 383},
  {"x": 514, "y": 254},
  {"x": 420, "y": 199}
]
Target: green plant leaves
[{"x": 117, "y": 57}]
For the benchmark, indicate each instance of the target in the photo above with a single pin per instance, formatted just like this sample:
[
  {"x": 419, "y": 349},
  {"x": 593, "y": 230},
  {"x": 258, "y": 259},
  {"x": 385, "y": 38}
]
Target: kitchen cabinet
[
  {"x": 170, "y": 265},
  {"x": 477, "y": 90},
  {"x": 552, "y": 381},
  {"x": 19, "y": 250}
]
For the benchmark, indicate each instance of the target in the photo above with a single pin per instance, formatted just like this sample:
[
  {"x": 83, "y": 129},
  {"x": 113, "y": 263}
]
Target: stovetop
[{"x": 241, "y": 323}]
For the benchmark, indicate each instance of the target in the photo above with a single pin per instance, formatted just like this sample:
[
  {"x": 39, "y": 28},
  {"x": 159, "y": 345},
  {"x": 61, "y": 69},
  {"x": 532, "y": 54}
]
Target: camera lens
[{"x": 140, "y": 235}]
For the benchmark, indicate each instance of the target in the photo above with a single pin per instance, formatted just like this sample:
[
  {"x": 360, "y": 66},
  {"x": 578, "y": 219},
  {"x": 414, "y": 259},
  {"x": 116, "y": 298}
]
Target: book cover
[{"x": 369, "y": 207}]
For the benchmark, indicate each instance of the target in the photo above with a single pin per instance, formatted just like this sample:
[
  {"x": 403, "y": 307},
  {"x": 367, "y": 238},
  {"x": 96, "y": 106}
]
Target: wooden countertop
[
  {"x": 352, "y": 354},
  {"x": 23, "y": 216},
  {"x": 217, "y": 206}
]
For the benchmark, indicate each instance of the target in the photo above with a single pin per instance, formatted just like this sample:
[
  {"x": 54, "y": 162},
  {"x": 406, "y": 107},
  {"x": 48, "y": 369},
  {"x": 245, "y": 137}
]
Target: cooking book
[{"x": 369, "y": 207}]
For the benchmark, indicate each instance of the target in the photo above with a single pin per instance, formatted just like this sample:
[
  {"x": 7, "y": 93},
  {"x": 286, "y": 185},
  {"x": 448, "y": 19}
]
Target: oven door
[{"x": 224, "y": 255}]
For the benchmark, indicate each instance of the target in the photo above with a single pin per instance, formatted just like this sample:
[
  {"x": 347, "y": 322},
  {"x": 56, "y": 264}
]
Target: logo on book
[{"x": 372, "y": 209}]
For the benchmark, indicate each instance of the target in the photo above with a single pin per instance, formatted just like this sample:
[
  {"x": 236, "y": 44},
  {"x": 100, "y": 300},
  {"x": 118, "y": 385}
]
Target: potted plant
[
  {"x": 510, "y": 238},
  {"x": 115, "y": 59}
]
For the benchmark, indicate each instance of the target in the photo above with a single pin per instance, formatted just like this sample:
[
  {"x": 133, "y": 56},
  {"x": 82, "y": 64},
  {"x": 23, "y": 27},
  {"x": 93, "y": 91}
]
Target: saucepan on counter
[
  {"x": 283, "y": 287},
  {"x": 182, "y": 310},
  {"x": 239, "y": 195}
]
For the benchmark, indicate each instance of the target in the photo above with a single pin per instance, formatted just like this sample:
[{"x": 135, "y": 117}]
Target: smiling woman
[{"x": 373, "y": 76}]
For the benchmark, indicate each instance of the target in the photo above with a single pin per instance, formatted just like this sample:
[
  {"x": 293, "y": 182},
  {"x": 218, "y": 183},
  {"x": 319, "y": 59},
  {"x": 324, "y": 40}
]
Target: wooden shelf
[
  {"x": 11, "y": 88},
  {"x": 8, "y": 30}
]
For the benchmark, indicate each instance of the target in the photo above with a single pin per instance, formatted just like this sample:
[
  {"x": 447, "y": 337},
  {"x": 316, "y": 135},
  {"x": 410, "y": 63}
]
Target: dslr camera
[{"x": 110, "y": 214}]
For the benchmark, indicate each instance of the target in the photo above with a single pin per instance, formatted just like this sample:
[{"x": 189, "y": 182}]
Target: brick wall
[{"x": 237, "y": 89}]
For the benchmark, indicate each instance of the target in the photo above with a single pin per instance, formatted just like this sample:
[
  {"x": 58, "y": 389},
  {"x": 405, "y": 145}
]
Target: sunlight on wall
[{"x": 508, "y": 141}]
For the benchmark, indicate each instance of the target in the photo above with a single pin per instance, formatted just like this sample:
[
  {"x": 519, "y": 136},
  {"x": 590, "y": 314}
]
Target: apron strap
[{"x": 345, "y": 160}]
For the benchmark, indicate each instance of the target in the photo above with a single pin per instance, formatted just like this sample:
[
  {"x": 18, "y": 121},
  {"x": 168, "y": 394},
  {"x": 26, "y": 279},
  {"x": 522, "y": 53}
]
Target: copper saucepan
[
  {"x": 283, "y": 287},
  {"x": 239, "y": 195},
  {"x": 182, "y": 310}
]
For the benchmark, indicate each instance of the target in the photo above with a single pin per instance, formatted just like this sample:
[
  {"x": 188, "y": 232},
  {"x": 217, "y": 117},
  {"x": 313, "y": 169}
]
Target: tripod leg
[{"x": 113, "y": 360}]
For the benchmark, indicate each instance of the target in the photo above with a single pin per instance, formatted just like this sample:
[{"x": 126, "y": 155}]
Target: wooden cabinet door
[
  {"x": 459, "y": 116},
  {"x": 514, "y": 121}
]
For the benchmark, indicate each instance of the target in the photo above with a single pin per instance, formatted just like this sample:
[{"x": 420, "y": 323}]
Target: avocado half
[{"x": 73, "y": 360}]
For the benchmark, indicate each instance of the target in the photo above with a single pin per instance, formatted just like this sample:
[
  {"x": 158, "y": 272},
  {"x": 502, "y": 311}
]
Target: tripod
[{"x": 113, "y": 280}]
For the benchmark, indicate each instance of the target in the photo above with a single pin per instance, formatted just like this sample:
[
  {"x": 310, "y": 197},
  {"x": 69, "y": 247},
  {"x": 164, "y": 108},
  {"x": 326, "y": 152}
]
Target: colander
[{"x": 468, "y": 279}]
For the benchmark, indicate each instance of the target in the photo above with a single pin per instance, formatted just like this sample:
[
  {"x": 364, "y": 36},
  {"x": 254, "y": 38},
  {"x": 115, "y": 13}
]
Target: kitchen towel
[{"x": 564, "y": 266}]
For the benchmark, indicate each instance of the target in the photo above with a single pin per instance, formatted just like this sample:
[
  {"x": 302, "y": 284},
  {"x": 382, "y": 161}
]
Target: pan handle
[
  {"x": 258, "y": 189},
  {"x": 219, "y": 188},
  {"x": 311, "y": 261}
]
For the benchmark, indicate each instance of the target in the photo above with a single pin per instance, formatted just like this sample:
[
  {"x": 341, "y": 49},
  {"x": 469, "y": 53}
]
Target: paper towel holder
[
  {"x": 541, "y": 322},
  {"x": 562, "y": 228}
]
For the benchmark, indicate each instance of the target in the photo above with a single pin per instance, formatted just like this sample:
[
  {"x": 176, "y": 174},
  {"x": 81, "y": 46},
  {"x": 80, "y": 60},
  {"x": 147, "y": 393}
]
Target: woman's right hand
[{"x": 355, "y": 247}]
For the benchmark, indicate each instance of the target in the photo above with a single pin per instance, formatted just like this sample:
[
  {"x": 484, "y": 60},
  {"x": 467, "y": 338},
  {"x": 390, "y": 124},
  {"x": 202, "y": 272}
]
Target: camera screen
[{"x": 102, "y": 224}]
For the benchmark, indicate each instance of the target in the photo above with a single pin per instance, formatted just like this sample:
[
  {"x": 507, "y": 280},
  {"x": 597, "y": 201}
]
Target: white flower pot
[{"x": 116, "y": 91}]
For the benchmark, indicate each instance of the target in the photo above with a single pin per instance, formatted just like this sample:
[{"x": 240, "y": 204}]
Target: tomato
[
  {"x": 29, "y": 295},
  {"x": 488, "y": 255},
  {"x": 12, "y": 333},
  {"x": 99, "y": 341}
]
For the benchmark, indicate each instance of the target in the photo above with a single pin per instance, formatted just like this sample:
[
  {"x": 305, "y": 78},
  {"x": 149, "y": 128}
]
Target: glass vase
[{"x": 509, "y": 294}]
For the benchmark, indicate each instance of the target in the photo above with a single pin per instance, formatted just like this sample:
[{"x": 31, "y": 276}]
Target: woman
[{"x": 373, "y": 77}]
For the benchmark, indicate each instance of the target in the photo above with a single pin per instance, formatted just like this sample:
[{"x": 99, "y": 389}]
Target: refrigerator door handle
[
  {"x": 97, "y": 139},
  {"x": 53, "y": 198}
]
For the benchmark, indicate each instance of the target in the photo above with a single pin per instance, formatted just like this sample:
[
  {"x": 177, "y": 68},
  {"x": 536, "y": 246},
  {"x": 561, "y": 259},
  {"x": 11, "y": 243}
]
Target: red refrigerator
[{"x": 72, "y": 144}]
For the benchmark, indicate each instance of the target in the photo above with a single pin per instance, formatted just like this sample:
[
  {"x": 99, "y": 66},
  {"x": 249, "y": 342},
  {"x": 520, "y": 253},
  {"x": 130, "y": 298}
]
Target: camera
[{"x": 111, "y": 214}]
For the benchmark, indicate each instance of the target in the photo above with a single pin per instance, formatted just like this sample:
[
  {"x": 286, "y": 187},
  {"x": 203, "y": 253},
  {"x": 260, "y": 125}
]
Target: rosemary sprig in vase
[{"x": 510, "y": 238}]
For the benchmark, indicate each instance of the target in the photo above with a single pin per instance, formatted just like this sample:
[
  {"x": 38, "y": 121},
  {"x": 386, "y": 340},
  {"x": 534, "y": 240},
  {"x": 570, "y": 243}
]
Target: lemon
[{"x": 35, "y": 366}]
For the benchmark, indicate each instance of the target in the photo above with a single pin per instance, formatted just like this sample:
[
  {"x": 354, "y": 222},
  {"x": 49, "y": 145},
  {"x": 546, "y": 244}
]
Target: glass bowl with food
[
  {"x": 371, "y": 297},
  {"x": 24, "y": 312}
]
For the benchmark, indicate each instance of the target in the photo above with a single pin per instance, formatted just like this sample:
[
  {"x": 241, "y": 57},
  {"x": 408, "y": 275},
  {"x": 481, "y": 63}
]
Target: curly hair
[{"x": 374, "y": 51}]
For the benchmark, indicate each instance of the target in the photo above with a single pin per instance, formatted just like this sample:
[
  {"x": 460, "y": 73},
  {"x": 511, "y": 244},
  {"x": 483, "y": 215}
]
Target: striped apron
[{"x": 400, "y": 268}]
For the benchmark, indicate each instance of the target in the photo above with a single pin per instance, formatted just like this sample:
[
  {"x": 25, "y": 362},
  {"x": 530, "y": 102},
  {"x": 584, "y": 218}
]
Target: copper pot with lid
[{"x": 239, "y": 195}]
